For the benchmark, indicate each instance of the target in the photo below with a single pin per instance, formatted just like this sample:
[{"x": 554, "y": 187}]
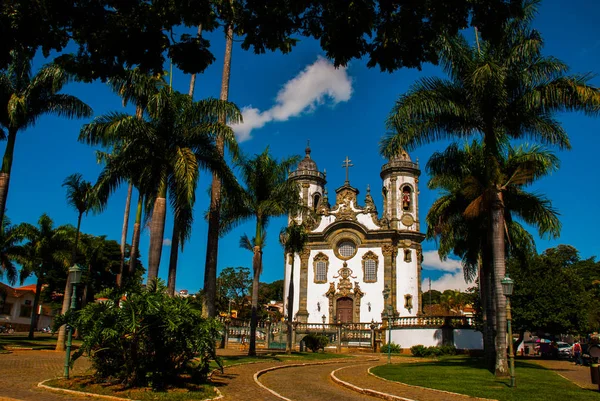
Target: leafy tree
[
  {"x": 266, "y": 193},
  {"x": 11, "y": 249},
  {"x": 293, "y": 238},
  {"x": 149, "y": 339},
  {"x": 112, "y": 36},
  {"x": 46, "y": 252},
  {"x": 23, "y": 99},
  {"x": 233, "y": 285},
  {"x": 499, "y": 90},
  {"x": 549, "y": 294},
  {"x": 81, "y": 197}
]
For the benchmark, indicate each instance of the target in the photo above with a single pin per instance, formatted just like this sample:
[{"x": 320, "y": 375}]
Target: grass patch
[
  {"x": 41, "y": 341},
  {"x": 468, "y": 376},
  {"x": 184, "y": 391}
]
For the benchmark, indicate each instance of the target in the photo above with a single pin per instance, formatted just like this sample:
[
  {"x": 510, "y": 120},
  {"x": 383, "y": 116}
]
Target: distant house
[{"x": 16, "y": 307}]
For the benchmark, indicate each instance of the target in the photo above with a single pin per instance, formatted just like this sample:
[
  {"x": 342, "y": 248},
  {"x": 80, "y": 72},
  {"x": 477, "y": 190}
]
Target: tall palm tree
[
  {"x": 293, "y": 238},
  {"x": 460, "y": 218},
  {"x": 501, "y": 91},
  {"x": 11, "y": 249},
  {"x": 214, "y": 216},
  {"x": 23, "y": 99},
  {"x": 81, "y": 197},
  {"x": 175, "y": 141},
  {"x": 133, "y": 87},
  {"x": 267, "y": 193},
  {"x": 47, "y": 249}
]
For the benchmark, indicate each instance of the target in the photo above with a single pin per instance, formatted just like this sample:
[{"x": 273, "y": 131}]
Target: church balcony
[
  {"x": 400, "y": 166},
  {"x": 307, "y": 173}
]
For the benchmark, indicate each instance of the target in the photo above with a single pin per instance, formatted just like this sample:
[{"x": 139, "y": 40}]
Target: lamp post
[
  {"x": 386, "y": 295},
  {"x": 507, "y": 288},
  {"x": 75, "y": 278}
]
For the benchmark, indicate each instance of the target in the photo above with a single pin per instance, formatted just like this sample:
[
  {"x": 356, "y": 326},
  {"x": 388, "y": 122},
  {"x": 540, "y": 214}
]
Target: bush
[
  {"x": 149, "y": 339},
  {"x": 395, "y": 348},
  {"x": 422, "y": 351},
  {"x": 316, "y": 342}
]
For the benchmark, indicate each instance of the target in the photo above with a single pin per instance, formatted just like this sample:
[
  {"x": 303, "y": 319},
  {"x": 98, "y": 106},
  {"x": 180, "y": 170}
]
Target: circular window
[{"x": 346, "y": 249}]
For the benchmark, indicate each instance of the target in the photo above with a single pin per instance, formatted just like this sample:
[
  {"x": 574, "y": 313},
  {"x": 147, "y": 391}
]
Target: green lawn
[
  {"x": 40, "y": 341},
  {"x": 468, "y": 376}
]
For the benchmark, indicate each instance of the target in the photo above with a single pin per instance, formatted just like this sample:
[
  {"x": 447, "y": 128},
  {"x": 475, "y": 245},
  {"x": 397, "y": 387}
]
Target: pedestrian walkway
[{"x": 579, "y": 375}]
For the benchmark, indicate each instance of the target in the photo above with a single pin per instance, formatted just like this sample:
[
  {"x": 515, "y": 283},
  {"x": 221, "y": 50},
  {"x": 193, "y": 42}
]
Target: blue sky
[{"x": 299, "y": 97}]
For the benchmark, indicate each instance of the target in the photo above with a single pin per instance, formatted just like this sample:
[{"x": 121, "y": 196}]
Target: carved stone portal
[{"x": 347, "y": 291}]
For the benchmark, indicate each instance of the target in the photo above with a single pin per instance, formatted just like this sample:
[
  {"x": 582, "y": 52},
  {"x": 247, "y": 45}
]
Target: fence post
[{"x": 339, "y": 337}]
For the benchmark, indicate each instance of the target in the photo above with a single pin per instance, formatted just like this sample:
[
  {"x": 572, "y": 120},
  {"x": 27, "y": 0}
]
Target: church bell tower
[{"x": 311, "y": 182}]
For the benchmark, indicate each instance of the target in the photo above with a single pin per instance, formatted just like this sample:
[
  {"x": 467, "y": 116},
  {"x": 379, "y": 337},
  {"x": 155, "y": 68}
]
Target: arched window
[
  {"x": 370, "y": 263},
  {"x": 408, "y": 303},
  {"x": 320, "y": 266},
  {"x": 316, "y": 200},
  {"x": 406, "y": 198},
  {"x": 407, "y": 255}
]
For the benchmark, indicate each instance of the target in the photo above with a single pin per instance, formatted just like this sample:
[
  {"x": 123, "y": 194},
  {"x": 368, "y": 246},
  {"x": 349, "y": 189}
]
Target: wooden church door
[{"x": 344, "y": 310}]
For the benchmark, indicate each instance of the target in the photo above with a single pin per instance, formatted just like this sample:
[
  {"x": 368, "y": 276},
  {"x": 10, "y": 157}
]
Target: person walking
[{"x": 577, "y": 353}]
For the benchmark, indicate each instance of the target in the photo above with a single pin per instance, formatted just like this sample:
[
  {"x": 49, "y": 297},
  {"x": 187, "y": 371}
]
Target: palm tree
[
  {"x": 47, "y": 249},
  {"x": 214, "y": 216},
  {"x": 293, "y": 238},
  {"x": 134, "y": 87},
  {"x": 23, "y": 99},
  {"x": 11, "y": 249},
  {"x": 501, "y": 91},
  {"x": 460, "y": 218},
  {"x": 82, "y": 197},
  {"x": 175, "y": 141},
  {"x": 266, "y": 194}
]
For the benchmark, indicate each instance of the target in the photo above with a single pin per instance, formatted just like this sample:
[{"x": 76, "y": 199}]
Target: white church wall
[
  {"x": 367, "y": 221},
  {"x": 316, "y": 292},
  {"x": 286, "y": 285},
  {"x": 407, "y": 283},
  {"x": 373, "y": 291},
  {"x": 325, "y": 222},
  {"x": 467, "y": 339}
]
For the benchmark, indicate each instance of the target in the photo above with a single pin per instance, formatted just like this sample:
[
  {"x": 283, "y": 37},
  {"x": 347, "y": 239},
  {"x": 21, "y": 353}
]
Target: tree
[
  {"x": 500, "y": 90},
  {"x": 460, "y": 218},
  {"x": 549, "y": 294},
  {"x": 293, "y": 238},
  {"x": 233, "y": 285},
  {"x": 266, "y": 193},
  {"x": 174, "y": 142},
  {"x": 110, "y": 37},
  {"x": 11, "y": 249},
  {"x": 47, "y": 250},
  {"x": 23, "y": 99}
]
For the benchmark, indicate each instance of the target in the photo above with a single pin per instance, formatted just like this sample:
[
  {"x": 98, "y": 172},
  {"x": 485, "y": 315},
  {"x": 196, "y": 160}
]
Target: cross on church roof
[{"x": 347, "y": 165}]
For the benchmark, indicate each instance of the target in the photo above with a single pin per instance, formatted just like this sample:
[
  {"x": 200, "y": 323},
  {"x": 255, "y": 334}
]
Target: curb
[
  {"x": 366, "y": 391},
  {"x": 106, "y": 397},
  {"x": 428, "y": 388},
  {"x": 295, "y": 365}
]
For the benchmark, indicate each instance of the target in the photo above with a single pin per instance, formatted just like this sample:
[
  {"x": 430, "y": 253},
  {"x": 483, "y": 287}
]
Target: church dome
[{"x": 307, "y": 163}]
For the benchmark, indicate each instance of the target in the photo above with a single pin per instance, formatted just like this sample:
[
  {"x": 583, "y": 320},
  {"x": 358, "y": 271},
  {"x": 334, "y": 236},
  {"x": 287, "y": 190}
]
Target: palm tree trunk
[
  {"x": 122, "y": 270},
  {"x": 135, "y": 241},
  {"x": 214, "y": 216},
  {"x": 173, "y": 259},
  {"x": 157, "y": 232},
  {"x": 290, "y": 309},
  {"x": 36, "y": 302},
  {"x": 498, "y": 251},
  {"x": 256, "y": 266},
  {"x": 486, "y": 294},
  {"x": 60, "y": 343},
  {"x": 5, "y": 172},
  {"x": 193, "y": 77}
]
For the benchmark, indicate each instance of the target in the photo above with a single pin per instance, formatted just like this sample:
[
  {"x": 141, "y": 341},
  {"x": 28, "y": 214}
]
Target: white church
[{"x": 357, "y": 264}]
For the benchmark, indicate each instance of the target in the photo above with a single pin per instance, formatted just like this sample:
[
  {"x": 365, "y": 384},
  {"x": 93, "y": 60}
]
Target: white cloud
[
  {"x": 431, "y": 261},
  {"x": 167, "y": 242},
  {"x": 453, "y": 277},
  {"x": 303, "y": 93}
]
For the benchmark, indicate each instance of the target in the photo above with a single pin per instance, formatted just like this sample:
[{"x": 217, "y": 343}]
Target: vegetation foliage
[
  {"x": 148, "y": 339},
  {"x": 316, "y": 342},
  {"x": 423, "y": 351}
]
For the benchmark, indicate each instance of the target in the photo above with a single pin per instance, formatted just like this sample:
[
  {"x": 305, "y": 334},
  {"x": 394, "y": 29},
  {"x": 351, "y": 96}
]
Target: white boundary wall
[{"x": 432, "y": 337}]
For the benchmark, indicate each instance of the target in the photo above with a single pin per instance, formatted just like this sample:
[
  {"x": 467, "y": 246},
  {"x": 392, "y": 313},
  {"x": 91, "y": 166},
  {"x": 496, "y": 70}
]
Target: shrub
[
  {"x": 149, "y": 339},
  {"x": 392, "y": 348},
  {"x": 316, "y": 342},
  {"x": 422, "y": 351}
]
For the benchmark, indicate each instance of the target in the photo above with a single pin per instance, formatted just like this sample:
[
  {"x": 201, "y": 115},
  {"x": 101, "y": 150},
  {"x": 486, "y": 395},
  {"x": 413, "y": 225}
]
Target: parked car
[{"x": 564, "y": 350}]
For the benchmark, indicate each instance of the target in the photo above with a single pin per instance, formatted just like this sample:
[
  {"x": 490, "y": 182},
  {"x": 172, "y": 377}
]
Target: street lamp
[
  {"x": 507, "y": 287},
  {"x": 75, "y": 278},
  {"x": 386, "y": 295}
]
